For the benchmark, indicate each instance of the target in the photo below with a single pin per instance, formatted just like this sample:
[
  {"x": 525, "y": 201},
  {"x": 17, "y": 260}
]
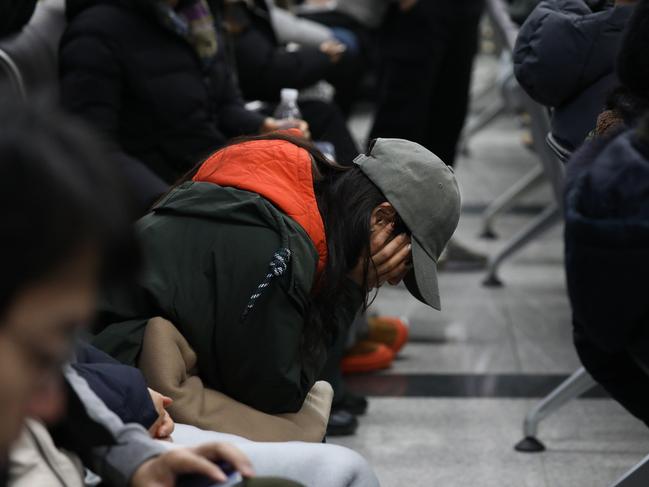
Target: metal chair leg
[
  {"x": 571, "y": 388},
  {"x": 638, "y": 476},
  {"x": 506, "y": 200},
  {"x": 490, "y": 113},
  {"x": 542, "y": 223}
]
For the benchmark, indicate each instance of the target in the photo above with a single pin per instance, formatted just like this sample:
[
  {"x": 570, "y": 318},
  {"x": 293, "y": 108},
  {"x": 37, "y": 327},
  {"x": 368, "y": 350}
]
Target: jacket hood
[
  {"x": 569, "y": 35},
  {"x": 607, "y": 239},
  {"x": 280, "y": 172},
  {"x": 209, "y": 202}
]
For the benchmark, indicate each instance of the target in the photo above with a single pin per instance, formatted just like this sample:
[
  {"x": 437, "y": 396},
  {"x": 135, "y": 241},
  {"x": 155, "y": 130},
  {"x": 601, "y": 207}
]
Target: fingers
[
  {"x": 166, "y": 427},
  {"x": 399, "y": 274},
  {"x": 379, "y": 238},
  {"x": 155, "y": 398},
  {"x": 390, "y": 249},
  {"x": 228, "y": 453},
  {"x": 166, "y": 401},
  {"x": 185, "y": 461},
  {"x": 304, "y": 127},
  {"x": 396, "y": 265},
  {"x": 153, "y": 429}
]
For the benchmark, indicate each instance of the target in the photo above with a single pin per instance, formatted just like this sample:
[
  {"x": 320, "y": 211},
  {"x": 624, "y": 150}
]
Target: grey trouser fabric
[{"x": 312, "y": 464}]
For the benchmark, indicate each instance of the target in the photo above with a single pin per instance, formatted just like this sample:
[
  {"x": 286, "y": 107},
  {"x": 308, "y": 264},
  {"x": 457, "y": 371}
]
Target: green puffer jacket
[{"x": 206, "y": 250}]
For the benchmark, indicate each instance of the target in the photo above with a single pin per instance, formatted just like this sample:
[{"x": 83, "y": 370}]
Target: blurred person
[
  {"x": 607, "y": 217},
  {"x": 59, "y": 240},
  {"x": 353, "y": 22},
  {"x": 265, "y": 67},
  {"x": 286, "y": 247},
  {"x": 426, "y": 59},
  {"x": 151, "y": 77},
  {"x": 565, "y": 59},
  {"x": 427, "y": 51}
]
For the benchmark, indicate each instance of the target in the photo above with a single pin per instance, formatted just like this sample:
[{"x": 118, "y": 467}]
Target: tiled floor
[{"x": 523, "y": 328}]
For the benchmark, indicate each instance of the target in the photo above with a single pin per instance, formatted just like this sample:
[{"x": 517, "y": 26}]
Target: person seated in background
[
  {"x": 607, "y": 237},
  {"x": 565, "y": 59},
  {"x": 151, "y": 77},
  {"x": 60, "y": 239},
  {"x": 358, "y": 17},
  {"x": 630, "y": 100},
  {"x": 265, "y": 67},
  {"x": 263, "y": 256},
  {"x": 607, "y": 263}
]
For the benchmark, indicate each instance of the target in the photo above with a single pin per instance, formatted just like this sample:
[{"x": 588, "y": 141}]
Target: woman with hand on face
[{"x": 263, "y": 256}]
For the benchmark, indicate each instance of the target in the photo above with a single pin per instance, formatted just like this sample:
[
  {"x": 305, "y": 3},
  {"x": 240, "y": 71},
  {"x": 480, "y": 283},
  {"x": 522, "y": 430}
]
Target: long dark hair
[
  {"x": 346, "y": 198},
  {"x": 57, "y": 193}
]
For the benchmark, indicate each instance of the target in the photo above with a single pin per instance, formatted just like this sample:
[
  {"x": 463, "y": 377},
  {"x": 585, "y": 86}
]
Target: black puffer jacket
[
  {"x": 145, "y": 88},
  {"x": 565, "y": 58},
  {"x": 607, "y": 241},
  {"x": 265, "y": 67}
]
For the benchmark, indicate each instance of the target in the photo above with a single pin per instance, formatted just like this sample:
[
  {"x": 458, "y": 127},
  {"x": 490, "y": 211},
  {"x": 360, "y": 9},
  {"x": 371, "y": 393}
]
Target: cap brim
[{"x": 421, "y": 281}]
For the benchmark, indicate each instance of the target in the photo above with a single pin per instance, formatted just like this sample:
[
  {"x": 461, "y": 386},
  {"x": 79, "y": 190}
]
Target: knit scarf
[{"x": 194, "y": 22}]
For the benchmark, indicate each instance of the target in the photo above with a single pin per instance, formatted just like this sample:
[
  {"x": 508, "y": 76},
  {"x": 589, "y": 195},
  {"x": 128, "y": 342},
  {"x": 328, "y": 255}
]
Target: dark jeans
[
  {"x": 351, "y": 69},
  {"x": 425, "y": 73},
  {"x": 619, "y": 373}
]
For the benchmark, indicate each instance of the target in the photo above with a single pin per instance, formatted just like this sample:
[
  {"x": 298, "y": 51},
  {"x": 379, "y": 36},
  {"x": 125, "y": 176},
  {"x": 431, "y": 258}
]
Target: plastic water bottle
[{"x": 287, "y": 112}]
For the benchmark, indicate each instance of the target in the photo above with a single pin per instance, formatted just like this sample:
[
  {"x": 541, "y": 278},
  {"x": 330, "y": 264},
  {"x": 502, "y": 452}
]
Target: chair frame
[{"x": 15, "y": 76}]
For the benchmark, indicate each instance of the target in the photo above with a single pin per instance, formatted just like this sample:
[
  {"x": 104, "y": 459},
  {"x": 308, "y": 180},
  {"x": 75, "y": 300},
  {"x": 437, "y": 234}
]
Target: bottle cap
[{"x": 289, "y": 94}]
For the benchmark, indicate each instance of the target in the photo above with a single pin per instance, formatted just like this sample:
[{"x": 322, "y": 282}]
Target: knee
[{"x": 352, "y": 469}]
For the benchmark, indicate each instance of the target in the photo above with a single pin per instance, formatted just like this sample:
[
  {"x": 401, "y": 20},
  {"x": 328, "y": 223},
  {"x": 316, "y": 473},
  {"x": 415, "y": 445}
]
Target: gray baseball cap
[{"x": 424, "y": 192}]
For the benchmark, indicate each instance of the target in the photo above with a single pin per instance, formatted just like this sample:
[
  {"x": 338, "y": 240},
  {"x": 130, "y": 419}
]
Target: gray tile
[
  {"x": 456, "y": 358},
  {"x": 444, "y": 442}
]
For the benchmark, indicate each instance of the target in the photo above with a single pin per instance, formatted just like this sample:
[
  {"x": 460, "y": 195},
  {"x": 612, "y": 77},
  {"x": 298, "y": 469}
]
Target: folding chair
[
  {"x": 29, "y": 59},
  {"x": 511, "y": 94},
  {"x": 571, "y": 388},
  {"x": 638, "y": 476},
  {"x": 553, "y": 170}
]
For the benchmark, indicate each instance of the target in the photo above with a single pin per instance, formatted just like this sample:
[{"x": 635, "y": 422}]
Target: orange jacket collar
[{"x": 279, "y": 171}]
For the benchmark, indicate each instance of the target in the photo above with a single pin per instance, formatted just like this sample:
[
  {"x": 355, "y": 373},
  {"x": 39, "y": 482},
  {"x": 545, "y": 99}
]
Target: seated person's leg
[{"x": 313, "y": 464}]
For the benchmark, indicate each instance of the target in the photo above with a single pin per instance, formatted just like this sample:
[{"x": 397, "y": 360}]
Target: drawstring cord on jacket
[{"x": 276, "y": 268}]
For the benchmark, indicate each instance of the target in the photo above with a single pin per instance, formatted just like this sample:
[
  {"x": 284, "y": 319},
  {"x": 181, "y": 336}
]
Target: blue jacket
[
  {"x": 607, "y": 241},
  {"x": 121, "y": 388},
  {"x": 565, "y": 59}
]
